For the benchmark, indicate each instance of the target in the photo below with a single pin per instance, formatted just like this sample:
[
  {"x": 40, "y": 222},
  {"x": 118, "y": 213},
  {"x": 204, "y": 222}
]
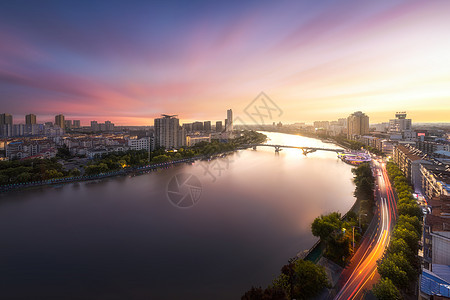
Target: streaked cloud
[{"x": 317, "y": 59}]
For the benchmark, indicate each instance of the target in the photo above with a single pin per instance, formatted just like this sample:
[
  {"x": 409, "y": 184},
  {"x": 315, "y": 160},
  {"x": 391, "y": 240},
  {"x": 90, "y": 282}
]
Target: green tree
[
  {"x": 399, "y": 246},
  {"x": 4, "y": 179},
  {"x": 309, "y": 279},
  {"x": 386, "y": 290},
  {"x": 160, "y": 159},
  {"x": 24, "y": 177},
  {"x": 63, "y": 152},
  {"x": 410, "y": 209},
  {"x": 270, "y": 293},
  {"x": 411, "y": 238},
  {"x": 388, "y": 269},
  {"x": 255, "y": 293},
  {"x": 325, "y": 226},
  {"x": 75, "y": 172},
  {"x": 413, "y": 220},
  {"x": 283, "y": 282}
]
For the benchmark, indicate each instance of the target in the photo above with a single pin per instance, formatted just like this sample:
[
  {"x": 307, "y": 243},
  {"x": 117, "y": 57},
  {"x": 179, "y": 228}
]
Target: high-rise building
[
  {"x": 59, "y": 121},
  {"x": 229, "y": 121},
  {"x": 6, "y": 125},
  {"x": 357, "y": 124},
  {"x": 94, "y": 126},
  {"x": 6, "y": 119},
  {"x": 181, "y": 137},
  {"x": 68, "y": 124},
  {"x": 166, "y": 131},
  {"x": 400, "y": 123},
  {"x": 207, "y": 126},
  {"x": 109, "y": 126},
  {"x": 30, "y": 119},
  {"x": 187, "y": 127},
  {"x": 197, "y": 126},
  {"x": 219, "y": 127},
  {"x": 76, "y": 124}
]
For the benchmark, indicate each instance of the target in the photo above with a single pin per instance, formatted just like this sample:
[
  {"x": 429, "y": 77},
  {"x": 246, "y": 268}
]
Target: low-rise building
[
  {"x": 96, "y": 153},
  {"x": 26, "y": 149},
  {"x": 428, "y": 147},
  {"x": 436, "y": 237},
  {"x": 435, "y": 180},
  {"x": 408, "y": 159},
  {"x": 144, "y": 143},
  {"x": 191, "y": 140}
]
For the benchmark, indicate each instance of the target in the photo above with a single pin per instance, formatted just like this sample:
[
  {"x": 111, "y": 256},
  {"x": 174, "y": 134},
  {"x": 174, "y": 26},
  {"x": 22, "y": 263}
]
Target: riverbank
[
  {"x": 41, "y": 172},
  {"x": 122, "y": 172}
]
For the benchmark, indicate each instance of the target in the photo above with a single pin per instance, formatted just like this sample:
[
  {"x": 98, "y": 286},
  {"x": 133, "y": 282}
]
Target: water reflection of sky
[{"x": 122, "y": 237}]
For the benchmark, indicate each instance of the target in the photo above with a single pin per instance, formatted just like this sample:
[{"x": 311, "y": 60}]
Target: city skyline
[
  {"x": 88, "y": 121},
  {"x": 130, "y": 63}
]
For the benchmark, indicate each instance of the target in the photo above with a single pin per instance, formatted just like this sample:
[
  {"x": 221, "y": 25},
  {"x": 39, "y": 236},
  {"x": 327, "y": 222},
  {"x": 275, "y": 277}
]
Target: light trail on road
[{"x": 364, "y": 274}]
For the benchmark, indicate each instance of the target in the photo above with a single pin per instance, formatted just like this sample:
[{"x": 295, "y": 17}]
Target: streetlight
[
  {"x": 353, "y": 228},
  {"x": 359, "y": 219}
]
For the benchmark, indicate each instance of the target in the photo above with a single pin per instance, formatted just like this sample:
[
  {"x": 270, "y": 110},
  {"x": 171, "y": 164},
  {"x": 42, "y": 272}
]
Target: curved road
[{"x": 362, "y": 273}]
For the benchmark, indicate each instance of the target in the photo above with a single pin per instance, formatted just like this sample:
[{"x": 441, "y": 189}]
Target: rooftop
[
  {"x": 432, "y": 284},
  {"x": 411, "y": 153},
  {"x": 437, "y": 223}
]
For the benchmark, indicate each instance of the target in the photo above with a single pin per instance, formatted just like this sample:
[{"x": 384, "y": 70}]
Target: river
[{"x": 121, "y": 238}]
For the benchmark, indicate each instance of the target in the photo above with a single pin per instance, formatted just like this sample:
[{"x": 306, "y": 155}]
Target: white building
[
  {"x": 229, "y": 121},
  {"x": 400, "y": 123},
  {"x": 140, "y": 144}
]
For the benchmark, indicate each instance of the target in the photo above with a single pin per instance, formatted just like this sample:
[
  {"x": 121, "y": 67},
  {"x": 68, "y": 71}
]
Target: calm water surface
[{"x": 122, "y": 239}]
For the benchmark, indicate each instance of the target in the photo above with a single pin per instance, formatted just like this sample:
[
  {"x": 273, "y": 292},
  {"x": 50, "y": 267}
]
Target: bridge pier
[{"x": 307, "y": 151}]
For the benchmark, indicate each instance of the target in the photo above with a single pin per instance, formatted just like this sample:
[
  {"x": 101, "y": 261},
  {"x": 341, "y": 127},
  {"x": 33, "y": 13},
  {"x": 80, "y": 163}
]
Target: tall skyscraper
[
  {"x": 197, "y": 126},
  {"x": 76, "y": 124},
  {"x": 109, "y": 126},
  {"x": 6, "y": 125},
  {"x": 6, "y": 119},
  {"x": 59, "y": 121},
  {"x": 166, "y": 131},
  {"x": 357, "y": 124},
  {"x": 94, "y": 126},
  {"x": 229, "y": 121},
  {"x": 187, "y": 127},
  {"x": 207, "y": 126},
  {"x": 68, "y": 124},
  {"x": 30, "y": 119},
  {"x": 219, "y": 127}
]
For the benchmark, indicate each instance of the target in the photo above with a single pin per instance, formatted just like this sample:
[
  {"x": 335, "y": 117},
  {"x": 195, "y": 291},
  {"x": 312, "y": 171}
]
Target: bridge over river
[{"x": 305, "y": 150}]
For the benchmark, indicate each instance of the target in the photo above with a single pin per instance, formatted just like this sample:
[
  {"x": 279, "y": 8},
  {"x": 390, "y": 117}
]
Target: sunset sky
[{"x": 130, "y": 61}]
